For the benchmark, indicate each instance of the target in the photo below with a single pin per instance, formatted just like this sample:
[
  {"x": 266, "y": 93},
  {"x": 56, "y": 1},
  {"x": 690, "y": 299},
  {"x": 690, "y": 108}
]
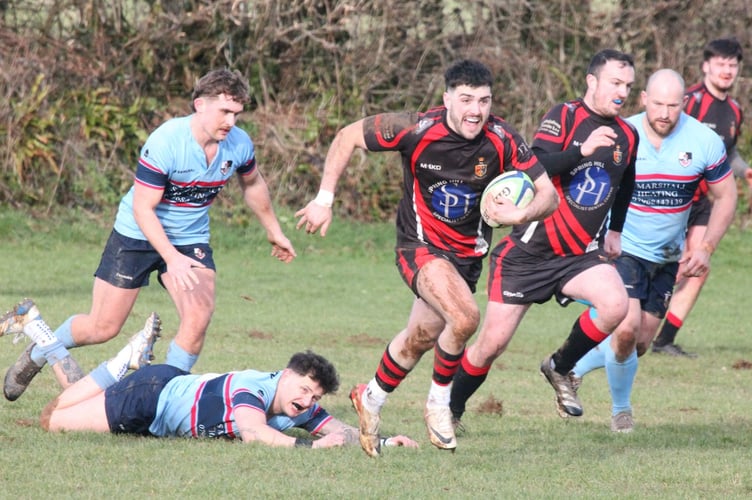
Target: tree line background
[{"x": 83, "y": 82}]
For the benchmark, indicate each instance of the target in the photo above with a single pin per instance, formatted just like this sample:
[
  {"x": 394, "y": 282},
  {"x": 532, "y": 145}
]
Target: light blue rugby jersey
[
  {"x": 665, "y": 183},
  {"x": 202, "y": 405},
  {"x": 172, "y": 160}
]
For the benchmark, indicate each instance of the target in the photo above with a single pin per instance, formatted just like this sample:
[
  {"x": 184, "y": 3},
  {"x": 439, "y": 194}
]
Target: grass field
[{"x": 343, "y": 298}]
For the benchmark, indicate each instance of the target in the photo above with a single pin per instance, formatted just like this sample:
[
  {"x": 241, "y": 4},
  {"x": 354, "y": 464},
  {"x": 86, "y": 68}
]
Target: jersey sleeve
[
  {"x": 718, "y": 165},
  {"x": 389, "y": 131},
  {"x": 317, "y": 417},
  {"x": 155, "y": 160},
  {"x": 552, "y": 131}
]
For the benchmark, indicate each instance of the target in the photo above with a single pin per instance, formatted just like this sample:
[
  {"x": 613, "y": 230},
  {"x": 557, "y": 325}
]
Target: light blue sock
[
  {"x": 179, "y": 358},
  {"x": 54, "y": 353},
  {"x": 620, "y": 378},
  {"x": 63, "y": 334},
  {"x": 102, "y": 376},
  {"x": 594, "y": 359}
]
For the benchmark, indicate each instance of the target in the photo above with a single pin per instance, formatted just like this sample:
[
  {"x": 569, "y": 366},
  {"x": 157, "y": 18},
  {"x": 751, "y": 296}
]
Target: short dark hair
[
  {"x": 723, "y": 47},
  {"x": 468, "y": 72},
  {"x": 317, "y": 367},
  {"x": 222, "y": 81},
  {"x": 601, "y": 58}
]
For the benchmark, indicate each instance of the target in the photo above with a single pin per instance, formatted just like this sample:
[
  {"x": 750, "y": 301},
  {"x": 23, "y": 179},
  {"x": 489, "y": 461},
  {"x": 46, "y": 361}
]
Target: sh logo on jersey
[
  {"x": 590, "y": 185},
  {"x": 452, "y": 201}
]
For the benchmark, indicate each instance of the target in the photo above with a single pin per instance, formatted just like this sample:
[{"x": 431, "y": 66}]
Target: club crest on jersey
[
  {"x": 618, "y": 155},
  {"x": 225, "y": 167},
  {"x": 199, "y": 253},
  {"x": 685, "y": 158},
  {"x": 481, "y": 167}
]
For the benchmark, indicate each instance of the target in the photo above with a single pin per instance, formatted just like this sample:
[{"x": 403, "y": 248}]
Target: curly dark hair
[
  {"x": 317, "y": 367},
  {"x": 468, "y": 72},
  {"x": 222, "y": 81}
]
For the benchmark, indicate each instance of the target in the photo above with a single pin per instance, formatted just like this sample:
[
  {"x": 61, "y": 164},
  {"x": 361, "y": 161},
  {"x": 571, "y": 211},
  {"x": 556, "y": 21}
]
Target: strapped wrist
[{"x": 324, "y": 198}]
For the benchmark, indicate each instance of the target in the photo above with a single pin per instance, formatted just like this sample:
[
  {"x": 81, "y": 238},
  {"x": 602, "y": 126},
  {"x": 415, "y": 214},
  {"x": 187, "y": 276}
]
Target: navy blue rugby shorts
[{"x": 127, "y": 262}]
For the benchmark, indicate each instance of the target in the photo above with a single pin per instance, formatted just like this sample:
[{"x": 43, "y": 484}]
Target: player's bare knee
[
  {"x": 466, "y": 325},
  {"x": 104, "y": 331}
]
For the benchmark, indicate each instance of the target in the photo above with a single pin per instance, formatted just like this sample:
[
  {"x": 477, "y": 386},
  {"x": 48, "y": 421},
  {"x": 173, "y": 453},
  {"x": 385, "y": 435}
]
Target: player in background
[
  {"x": 162, "y": 225},
  {"x": 675, "y": 153},
  {"x": 709, "y": 102},
  {"x": 165, "y": 401},
  {"x": 449, "y": 155},
  {"x": 589, "y": 153}
]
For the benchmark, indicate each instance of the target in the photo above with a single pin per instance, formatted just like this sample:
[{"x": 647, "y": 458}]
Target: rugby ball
[{"x": 514, "y": 185}]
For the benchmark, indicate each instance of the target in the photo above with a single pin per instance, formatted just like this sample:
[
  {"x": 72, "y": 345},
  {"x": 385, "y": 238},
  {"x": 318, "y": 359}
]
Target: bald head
[
  {"x": 663, "y": 99},
  {"x": 665, "y": 80}
]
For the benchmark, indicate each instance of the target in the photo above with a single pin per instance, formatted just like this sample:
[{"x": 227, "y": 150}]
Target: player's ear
[{"x": 199, "y": 104}]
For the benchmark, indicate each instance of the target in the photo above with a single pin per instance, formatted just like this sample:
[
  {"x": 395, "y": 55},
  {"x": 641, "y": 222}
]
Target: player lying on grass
[{"x": 165, "y": 401}]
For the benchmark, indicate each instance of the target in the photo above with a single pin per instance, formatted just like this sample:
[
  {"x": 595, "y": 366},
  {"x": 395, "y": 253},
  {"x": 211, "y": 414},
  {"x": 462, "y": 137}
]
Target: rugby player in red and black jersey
[
  {"x": 589, "y": 152},
  {"x": 449, "y": 155},
  {"x": 708, "y": 101}
]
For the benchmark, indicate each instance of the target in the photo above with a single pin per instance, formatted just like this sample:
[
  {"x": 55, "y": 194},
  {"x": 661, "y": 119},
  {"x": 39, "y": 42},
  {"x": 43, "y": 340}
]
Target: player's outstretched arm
[
  {"x": 317, "y": 214},
  {"x": 338, "y": 433}
]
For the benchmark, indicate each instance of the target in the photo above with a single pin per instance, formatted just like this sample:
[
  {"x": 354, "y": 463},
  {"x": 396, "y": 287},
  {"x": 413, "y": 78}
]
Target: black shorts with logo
[{"x": 517, "y": 277}]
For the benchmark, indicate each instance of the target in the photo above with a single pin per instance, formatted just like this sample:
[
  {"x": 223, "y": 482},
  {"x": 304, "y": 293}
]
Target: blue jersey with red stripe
[
  {"x": 444, "y": 176},
  {"x": 171, "y": 160},
  {"x": 665, "y": 182},
  {"x": 587, "y": 191},
  {"x": 203, "y": 405}
]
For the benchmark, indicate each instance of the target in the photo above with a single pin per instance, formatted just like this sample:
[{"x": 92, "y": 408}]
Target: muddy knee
[{"x": 46, "y": 416}]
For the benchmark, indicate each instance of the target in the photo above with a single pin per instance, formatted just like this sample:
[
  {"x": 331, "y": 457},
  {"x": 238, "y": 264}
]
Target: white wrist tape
[{"x": 324, "y": 198}]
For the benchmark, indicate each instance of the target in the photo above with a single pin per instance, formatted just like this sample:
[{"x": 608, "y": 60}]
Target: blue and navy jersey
[
  {"x": 588, "y": 190},
  {"x": 444, "y": 176},
  {"x": 665, "y": 183},
  {"x": 204, "y": 405},
  {"x": 171, "y": 160}
]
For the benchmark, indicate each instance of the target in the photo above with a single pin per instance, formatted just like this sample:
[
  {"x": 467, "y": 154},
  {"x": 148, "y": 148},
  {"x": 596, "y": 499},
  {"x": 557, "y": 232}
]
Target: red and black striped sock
[
  {"x": 466, "y": 381},
  {"x": 389, "y": 373},
  {"x": 583, "y": 337}
]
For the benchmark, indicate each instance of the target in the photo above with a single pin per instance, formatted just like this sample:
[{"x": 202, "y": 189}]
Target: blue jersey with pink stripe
[
  {"x": 172, "y": 160},
  {"x": 665, "y": 182},
  {"x": 203, "y": 405}
]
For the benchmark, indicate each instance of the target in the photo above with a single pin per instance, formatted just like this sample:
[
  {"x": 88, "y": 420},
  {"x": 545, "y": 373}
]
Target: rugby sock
[
  {"x": 620, "y": 378},
  {"x": 583, "y": 337},
  {"x": 669, "y": 330},
  {"x": 63, "y": 334},
  {"x": 389, "y": 374},
  {"x": 466, "y": 381},
  {"x": 444, "y": 367},
  {"x": 48, "y": 346},
  {"x": 375, "y": 396},
  {"x": 118, "y": 366},
  {"x": 180, "y": 358},
  {"x": 102, "y": 376},
  {"x": 594, "y": 359}
]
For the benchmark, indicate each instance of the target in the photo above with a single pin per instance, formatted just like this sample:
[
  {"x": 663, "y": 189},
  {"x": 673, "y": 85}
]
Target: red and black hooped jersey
[
  {"x": 723, "y": 116},
  {"x": 588, "y": 189},
  {"x": 444, "y": 176}
]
